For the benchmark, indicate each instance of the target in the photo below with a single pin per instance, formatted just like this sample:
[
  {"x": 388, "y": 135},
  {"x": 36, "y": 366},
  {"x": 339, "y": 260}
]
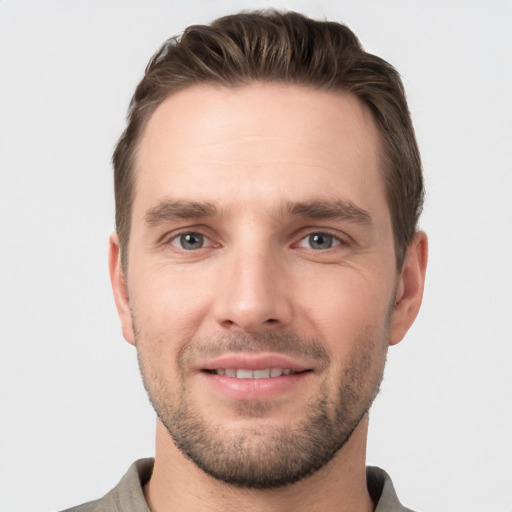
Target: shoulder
[
  {"x": 92, "y": 506},
  {"x": 382, "y": 491},
  {"x": 127, "y": 495}
]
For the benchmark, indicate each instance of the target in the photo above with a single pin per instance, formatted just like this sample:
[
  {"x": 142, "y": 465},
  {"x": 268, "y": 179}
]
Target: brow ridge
[
  {"x": 338, "y": 209},
  {"x": 170, "y": 209}
]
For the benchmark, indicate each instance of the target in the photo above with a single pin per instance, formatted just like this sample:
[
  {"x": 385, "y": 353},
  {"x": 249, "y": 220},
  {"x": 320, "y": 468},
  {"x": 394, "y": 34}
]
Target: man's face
[{"x": 261, "y": 276}]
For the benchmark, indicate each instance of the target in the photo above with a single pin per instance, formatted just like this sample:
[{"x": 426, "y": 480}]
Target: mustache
[{"x": 289, "y": 344}]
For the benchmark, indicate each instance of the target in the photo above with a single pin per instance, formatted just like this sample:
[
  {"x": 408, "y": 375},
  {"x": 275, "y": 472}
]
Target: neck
[{"x": 178, "y": 484}]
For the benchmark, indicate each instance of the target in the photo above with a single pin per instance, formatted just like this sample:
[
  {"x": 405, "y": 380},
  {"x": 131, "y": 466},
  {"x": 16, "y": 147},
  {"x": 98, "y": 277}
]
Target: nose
[{"x": 252, "y": 293}]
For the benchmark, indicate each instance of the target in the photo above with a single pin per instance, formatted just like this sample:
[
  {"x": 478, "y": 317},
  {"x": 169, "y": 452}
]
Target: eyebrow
[
  {"x": 169, "y": 210},
  {"x": 326, "y": 209}
]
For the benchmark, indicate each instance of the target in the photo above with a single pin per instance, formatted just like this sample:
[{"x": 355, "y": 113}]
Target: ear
[
  {"x": 409, "y": 291},
  {"x": 119, "y": 288}
]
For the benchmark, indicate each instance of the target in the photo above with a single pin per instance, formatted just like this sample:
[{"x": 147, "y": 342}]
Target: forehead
[{"x": 258, "y": 143}]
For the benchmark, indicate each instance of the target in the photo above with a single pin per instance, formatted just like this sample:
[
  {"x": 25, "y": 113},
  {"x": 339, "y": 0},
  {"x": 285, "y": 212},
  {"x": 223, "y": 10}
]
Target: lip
[
  {"x": 253, "y": 362},
  {"x": 237, "y": 389},
  {"x": 254, "y": 389}
]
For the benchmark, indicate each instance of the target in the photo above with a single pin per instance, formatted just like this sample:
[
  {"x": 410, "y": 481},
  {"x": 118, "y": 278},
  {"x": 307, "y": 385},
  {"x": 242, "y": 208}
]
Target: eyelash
[
  {"x": 177, "y": 236},
  {"x": 339, "y": 240}
]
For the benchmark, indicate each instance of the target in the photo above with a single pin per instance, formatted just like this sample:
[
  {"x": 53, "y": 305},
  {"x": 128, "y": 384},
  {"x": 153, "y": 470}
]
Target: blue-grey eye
[
  {"x": 189, "y": 241},
  {"x": 319, "y": 241}
]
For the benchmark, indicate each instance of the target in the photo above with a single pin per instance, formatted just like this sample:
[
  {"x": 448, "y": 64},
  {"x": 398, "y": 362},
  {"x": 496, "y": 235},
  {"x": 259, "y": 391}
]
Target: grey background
[{"x": 73, "y": 412}]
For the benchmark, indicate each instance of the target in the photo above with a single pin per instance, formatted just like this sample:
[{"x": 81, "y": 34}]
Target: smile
[
  {"x": 242, "y": 373},
  {"x": 246, "y": 378}
]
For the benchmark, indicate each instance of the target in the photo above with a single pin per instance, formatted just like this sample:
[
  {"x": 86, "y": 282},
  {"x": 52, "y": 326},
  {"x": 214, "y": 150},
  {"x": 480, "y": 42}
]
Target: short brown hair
[{"x": 269, "y": 46}]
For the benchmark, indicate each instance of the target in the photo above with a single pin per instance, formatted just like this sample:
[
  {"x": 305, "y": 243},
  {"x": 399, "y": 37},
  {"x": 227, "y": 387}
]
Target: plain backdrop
[{"x": 73, "y": 413}]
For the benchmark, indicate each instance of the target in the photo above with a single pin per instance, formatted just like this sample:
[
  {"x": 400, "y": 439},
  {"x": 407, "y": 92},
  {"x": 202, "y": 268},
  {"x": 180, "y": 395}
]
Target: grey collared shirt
[{"x": 128, "y": 495}]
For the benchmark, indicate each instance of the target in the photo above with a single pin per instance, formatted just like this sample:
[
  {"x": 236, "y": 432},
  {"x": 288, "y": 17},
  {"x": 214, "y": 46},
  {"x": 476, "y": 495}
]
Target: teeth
[
  {"x": 241, "y": 373},
  {"x": 261, "y": 374}
]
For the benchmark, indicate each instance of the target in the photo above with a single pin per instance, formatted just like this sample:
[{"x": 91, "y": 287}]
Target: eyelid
[
  {"x": 175, "y": 241},
  {"x": 341, "y": 238},
  {"x": 197, "y": 230}
]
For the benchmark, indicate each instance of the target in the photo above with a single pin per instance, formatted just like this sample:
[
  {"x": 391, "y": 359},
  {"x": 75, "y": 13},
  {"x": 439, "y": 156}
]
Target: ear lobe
[
  {"x": 119, "y": 288},
  {"x": 409, "y": 291}
]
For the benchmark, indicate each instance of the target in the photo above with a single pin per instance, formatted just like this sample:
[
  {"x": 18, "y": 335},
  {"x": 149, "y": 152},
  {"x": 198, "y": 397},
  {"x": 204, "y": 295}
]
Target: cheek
[
  {"x": 169, "y": 306},
  {"x": 349, "y": 314},
  {"x": 345, "y": 304}
]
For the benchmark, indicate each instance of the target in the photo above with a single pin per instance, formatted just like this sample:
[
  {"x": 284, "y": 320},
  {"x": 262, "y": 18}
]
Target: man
[{"x": 268, "y": 189}]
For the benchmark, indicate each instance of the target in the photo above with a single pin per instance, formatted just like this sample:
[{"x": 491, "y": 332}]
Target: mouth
[
  {"x": 244, "y": 373},
  {"x": 254, "y": 366},
  {"x": 249, "y": 376}
]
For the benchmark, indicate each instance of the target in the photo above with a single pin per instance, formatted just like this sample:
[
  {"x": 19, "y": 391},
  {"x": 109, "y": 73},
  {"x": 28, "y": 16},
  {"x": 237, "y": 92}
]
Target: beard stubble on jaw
[{"x": 261, "y": 456}]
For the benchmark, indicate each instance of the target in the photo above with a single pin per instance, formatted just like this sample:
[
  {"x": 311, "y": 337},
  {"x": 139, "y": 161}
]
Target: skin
[{"x": 255, "y": 153}]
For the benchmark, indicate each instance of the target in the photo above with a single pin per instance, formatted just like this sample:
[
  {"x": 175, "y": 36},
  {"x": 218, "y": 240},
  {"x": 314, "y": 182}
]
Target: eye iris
[
  {"x": 320, "y": 241},
  {"x": 191, "y": 241}
]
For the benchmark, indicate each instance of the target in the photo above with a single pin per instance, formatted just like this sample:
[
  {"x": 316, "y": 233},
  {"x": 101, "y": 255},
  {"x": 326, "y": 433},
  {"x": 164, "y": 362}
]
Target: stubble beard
[{"x": 261, "y": 457}]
